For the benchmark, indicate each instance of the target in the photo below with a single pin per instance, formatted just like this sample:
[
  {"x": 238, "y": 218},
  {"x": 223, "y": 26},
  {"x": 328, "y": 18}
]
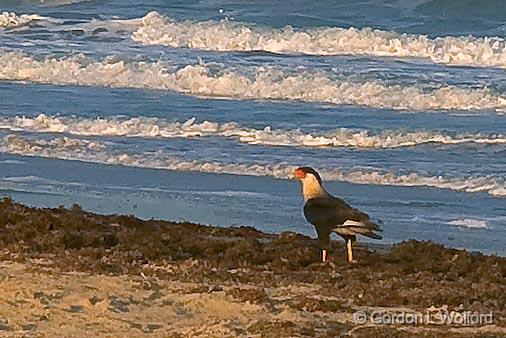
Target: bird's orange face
[{"x": 299, "y": 174}]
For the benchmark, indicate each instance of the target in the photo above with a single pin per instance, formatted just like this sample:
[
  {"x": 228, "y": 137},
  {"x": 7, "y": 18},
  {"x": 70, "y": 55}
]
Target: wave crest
[
  {"x": 261, "y": 83},
  {"x": 230, "y": 36},
  {"x": 470, "y": 223},
  {"x": 12, "y": 20},
  {"x": 151, "y": 127},
  {"x": 90, "y": 151}
]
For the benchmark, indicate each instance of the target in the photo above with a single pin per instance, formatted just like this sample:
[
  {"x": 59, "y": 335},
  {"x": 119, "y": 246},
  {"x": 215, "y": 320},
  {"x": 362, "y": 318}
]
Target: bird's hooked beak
[{"x": 298, "y": 174}]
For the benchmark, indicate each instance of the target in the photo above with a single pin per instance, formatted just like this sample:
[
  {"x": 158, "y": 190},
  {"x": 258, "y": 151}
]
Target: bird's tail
[
  {"x": 372, "y": 235},
  {"x": 365, "y": 228}
]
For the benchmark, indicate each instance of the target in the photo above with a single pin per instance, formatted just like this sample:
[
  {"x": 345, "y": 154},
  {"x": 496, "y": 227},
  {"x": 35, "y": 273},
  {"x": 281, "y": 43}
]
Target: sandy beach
[{"x": 70, "y": 273}]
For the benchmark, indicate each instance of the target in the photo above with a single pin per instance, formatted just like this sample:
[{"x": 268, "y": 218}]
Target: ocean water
[{"x": 200, "y": 110}]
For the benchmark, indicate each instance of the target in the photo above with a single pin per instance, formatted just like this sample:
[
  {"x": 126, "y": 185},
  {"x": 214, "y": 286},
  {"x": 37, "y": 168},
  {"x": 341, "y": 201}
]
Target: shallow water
[{"x": 200, "y": 110}]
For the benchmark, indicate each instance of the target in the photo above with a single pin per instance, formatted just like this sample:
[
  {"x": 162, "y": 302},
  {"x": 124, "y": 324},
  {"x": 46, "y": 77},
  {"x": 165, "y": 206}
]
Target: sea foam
[
  {"x": 13, "y": 20},
  {"x": 96, "y": 152},
  {"x": 258, "y": 83},
  {"x": 151, "y": 127},
  {"x": 232, "y": 36},
  {"x": 469, "y": 223},
  {"x": 226, "y": 36}
]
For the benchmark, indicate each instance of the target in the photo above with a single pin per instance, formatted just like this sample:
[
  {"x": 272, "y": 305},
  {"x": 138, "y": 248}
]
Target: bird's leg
[
  {"x": 324, "y": 256},
  {"x": 350, "y": 252},
  {"x": 324, "y": 239}
]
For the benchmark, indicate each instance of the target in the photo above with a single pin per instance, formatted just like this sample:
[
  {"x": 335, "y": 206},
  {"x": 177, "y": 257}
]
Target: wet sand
[{"x": 67, "y": 272}]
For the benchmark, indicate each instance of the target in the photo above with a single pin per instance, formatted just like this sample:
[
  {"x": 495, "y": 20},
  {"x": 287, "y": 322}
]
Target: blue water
[{"x": 77, "y": 72}]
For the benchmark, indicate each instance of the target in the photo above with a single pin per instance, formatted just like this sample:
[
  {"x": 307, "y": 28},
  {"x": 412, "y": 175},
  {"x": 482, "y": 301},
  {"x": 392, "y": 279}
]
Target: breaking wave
[
  {"x": 470, "y": 223},
  {"x": 151, "y": 127},
  {"x": 58, "y": 2},
  {"x": 19, "y": 145},
  {"x": 12, "y": 20},
  {"x": 44, "y": 3},
  {"x": 230, "y": 36},
  {"x": 90, "y": 151},
  {"x": 261, "y": 83}
]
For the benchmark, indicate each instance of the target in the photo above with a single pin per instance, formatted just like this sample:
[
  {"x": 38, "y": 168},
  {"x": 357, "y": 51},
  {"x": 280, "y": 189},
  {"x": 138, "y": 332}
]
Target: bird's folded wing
[
  {"x": 327, "y": 211},
  {"x": 336, "y": 213},
  {"x": 319, "y": 211}
]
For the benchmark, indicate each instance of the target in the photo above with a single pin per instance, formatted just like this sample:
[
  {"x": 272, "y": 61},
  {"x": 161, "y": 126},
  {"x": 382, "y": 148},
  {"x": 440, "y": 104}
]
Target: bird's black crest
[{"x": 309, "y": 170}]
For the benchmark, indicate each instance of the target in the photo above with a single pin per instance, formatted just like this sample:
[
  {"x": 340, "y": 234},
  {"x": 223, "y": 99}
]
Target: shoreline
[{"x": 72, "y": 272}]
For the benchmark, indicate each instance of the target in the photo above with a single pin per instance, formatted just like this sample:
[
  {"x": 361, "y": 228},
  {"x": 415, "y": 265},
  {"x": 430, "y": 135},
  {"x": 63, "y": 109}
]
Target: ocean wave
[
  {"x": 231, "y": 36},
  {"x": 57, "y": 2},
  {"x": 28, "y": 179},
  {"x": 18, "y": 145},
  {"x": 264, "y": 83},
  {"x": 16, "y": 162},
  {"x": 151, "y": 127},
  {"x": 470, "y": 223},
  {"x": 92, "y": 151},
  {"x": 12, "y": 20},
  {"x": 44, "y": 3}
]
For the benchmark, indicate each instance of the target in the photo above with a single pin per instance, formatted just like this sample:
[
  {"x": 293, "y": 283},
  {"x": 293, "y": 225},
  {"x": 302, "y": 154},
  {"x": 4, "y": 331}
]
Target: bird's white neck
[{"x": 311, "y": 188}]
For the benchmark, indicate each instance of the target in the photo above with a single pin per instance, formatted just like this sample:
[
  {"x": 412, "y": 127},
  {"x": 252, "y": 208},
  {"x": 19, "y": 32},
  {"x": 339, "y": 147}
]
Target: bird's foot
[
  {"x": 328, "y": 264},
  {"x": 353, "y": 261}
]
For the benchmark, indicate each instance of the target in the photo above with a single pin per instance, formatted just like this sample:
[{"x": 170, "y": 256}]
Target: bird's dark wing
[
  {"x": 328, "y": 212},
  {"x": 337, "y": 215}
]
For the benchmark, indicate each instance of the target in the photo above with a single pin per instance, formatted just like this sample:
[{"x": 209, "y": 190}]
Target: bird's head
[
  {"x": 307, "y": 175},
  {"x": 311, "y": 182}
]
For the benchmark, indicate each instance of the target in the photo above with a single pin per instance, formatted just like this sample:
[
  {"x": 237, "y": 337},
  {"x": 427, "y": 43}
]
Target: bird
[{"x": 330, "y": 214}]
